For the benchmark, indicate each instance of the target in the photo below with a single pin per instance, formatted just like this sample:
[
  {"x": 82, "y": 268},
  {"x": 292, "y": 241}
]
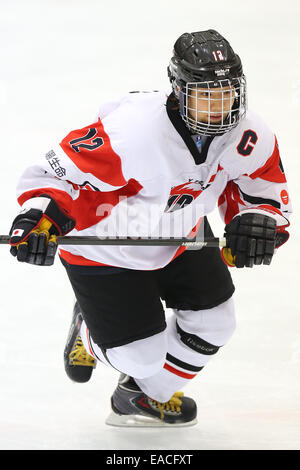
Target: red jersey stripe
[
  {"x": 191, "y": 235},
  {"x": 272, "y": 170},
  {"x": 99, "y": 160},
  {"x": 184, "y": 375},
  {"x": 93, "y": 206},
  {"x": 232, "y": 197},
  {"x": 78, "y": 260}
]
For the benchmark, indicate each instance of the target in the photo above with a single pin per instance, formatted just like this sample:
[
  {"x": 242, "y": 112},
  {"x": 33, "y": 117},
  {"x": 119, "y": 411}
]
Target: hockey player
[{"x": 147, "y": 161}]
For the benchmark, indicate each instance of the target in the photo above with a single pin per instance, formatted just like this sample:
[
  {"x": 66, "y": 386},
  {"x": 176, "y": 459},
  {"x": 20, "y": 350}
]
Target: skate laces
[
  {"x": 79, "y": 357},
  {"x": 174, "y": 404}
]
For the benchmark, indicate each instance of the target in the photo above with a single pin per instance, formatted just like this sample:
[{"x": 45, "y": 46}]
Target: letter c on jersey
[{"x": 247, "y": 143}]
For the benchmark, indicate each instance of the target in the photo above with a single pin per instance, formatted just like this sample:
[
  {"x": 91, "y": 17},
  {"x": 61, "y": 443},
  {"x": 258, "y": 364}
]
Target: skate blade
[{"x": 134, "y": 421}]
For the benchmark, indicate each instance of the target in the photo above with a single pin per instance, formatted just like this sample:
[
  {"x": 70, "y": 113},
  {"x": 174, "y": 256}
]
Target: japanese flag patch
[{"x": 17, "y": 232}]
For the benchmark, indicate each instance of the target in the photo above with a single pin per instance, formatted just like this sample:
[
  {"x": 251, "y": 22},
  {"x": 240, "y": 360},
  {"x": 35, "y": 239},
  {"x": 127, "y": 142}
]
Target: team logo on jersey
[
  {"x": 284, "y": 197},
  {"x": 87, "y": 142},
  {"x": 184, "y": 194}
]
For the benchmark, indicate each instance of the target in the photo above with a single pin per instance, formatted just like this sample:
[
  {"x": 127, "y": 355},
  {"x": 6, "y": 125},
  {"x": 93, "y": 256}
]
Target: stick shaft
[{"x": 127, "y": 241}]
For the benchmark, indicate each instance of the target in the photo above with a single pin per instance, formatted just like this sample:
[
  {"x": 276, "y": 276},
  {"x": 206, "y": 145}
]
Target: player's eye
[{"x": 228, "y": 94}]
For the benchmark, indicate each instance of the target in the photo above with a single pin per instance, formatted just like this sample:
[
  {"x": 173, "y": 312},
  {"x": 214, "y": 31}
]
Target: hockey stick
[{"x": 190, "y": 243}]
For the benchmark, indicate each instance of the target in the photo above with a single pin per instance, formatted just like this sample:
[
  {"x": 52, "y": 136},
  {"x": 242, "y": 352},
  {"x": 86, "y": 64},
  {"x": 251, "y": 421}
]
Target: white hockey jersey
[{"x": 137, "y": 172}]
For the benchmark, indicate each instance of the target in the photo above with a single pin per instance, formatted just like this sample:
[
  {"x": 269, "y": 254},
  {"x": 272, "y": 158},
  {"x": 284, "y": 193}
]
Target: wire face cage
[{"x": 213, "y": 107}]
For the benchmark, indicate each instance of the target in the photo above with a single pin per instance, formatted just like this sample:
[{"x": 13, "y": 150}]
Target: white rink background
[{"x": 59, "y": 60}]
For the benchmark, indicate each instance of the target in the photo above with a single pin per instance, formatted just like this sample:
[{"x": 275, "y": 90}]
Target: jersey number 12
[{"x": 81, "y": 142}]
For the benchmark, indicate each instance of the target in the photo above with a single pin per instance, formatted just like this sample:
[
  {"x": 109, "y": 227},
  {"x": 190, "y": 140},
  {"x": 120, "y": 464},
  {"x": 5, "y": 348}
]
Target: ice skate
[
  {"x": 78, "y": 363},
  {"x": 132, "y": 408}
]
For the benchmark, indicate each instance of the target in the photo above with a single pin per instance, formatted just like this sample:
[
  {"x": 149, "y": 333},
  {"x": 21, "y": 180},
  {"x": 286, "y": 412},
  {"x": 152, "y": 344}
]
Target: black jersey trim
[
  {"x": 259, "y": 200},
  {"x": 183, "y": 365},
  {"x": 178, "y": 123}
]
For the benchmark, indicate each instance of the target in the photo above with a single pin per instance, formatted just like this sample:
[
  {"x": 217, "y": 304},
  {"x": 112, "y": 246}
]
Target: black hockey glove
[
  {"x": 33, "y": 232},
  {"x": 250, "y": 239}
]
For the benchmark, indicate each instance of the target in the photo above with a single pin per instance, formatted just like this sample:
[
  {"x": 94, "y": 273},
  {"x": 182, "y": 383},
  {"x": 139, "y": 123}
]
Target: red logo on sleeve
[{"x": 284, "y": 196}]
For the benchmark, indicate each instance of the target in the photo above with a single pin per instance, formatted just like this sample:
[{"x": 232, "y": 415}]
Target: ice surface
[{"x": 59, "y": 61}]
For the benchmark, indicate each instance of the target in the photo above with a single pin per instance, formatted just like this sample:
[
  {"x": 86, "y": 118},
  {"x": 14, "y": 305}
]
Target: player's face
[{"x": 210, "y": 106}]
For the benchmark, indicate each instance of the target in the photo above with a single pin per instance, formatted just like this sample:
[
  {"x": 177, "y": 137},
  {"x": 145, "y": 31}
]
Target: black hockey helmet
[{"x": 205, "y": 59}]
